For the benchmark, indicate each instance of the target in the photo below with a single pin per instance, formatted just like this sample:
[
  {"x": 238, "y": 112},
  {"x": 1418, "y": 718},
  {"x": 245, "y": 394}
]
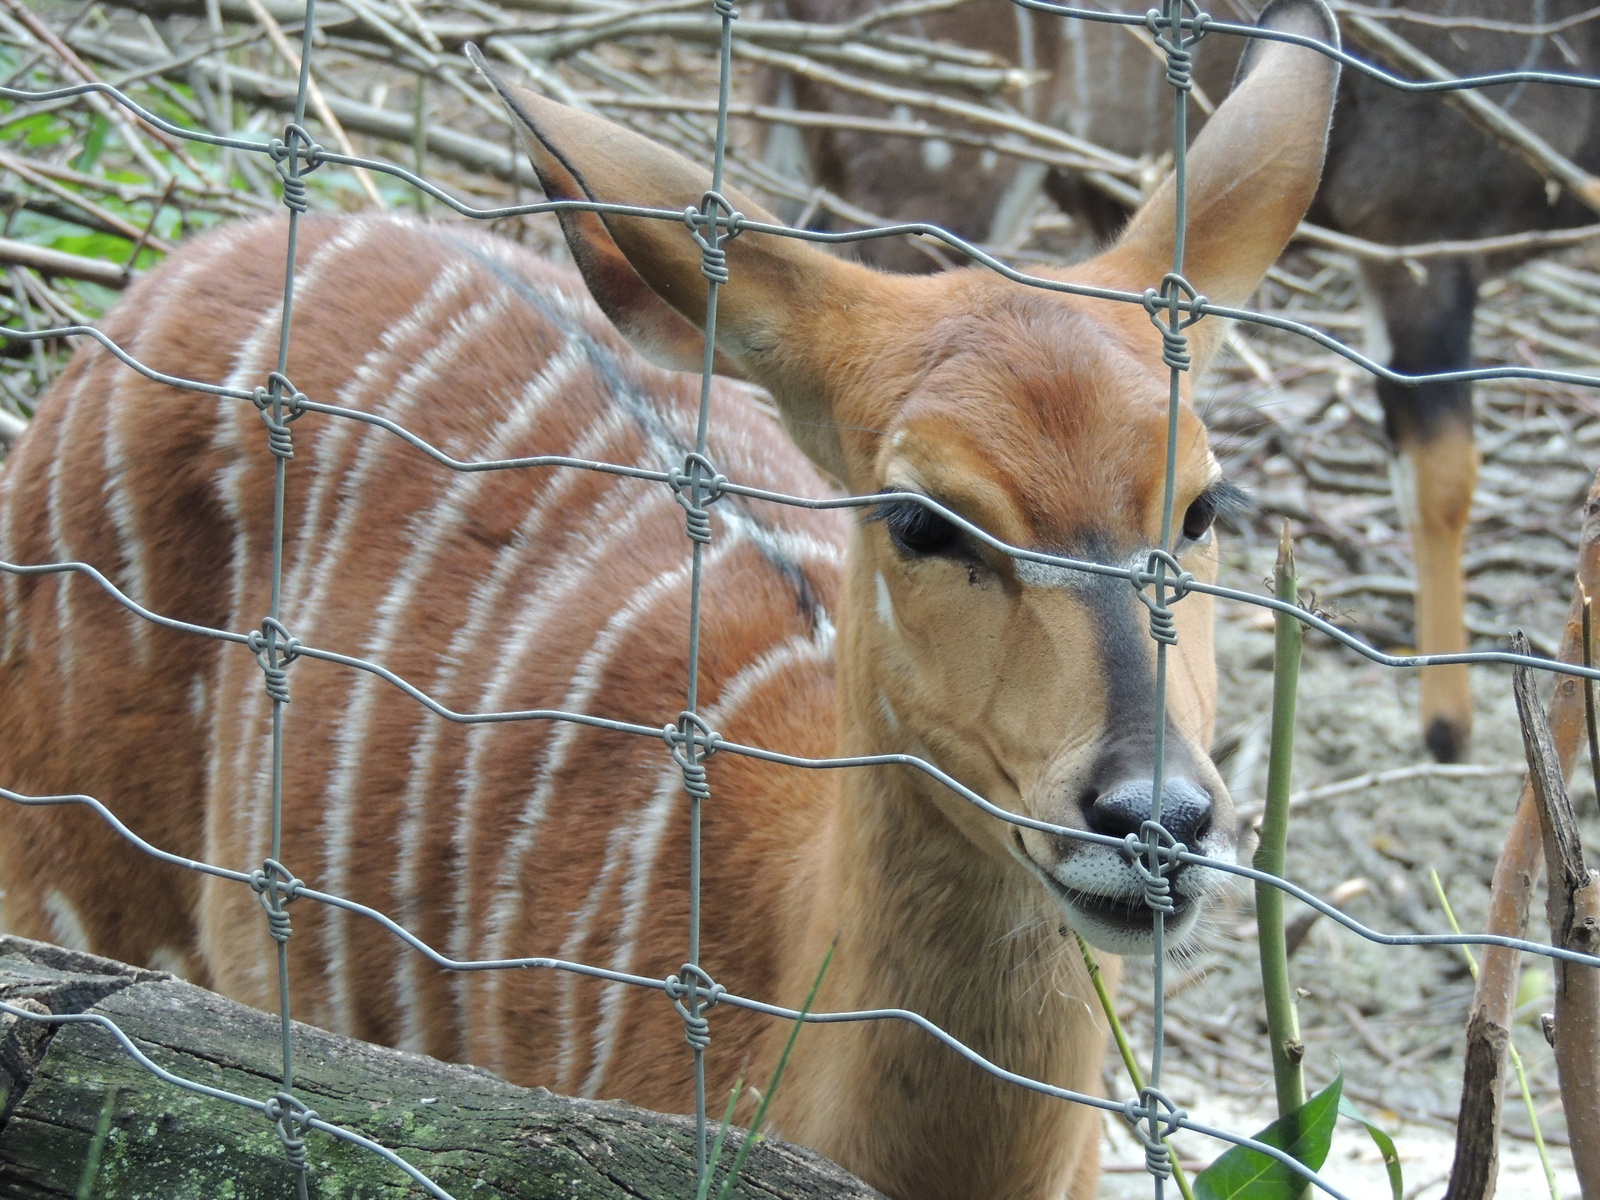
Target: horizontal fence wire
[{"x": 1156, "y": 577}]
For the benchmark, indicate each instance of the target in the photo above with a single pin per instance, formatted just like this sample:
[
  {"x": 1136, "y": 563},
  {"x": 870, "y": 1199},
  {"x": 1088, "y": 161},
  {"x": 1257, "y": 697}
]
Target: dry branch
[
  {"x": 277, "y": 92},
  {"x": 1573, "y": 906},
  {"x": 472, "y": 1133},
  {"x": 57, "y": 262},
  {"x": 1494, "y": 998}
]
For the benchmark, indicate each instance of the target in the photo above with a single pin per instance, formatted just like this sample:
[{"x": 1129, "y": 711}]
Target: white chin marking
[{"x": 1114, "y": 937}]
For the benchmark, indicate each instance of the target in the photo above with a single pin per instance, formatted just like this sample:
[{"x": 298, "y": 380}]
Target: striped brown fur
[{"x": 1039, "y": 416}]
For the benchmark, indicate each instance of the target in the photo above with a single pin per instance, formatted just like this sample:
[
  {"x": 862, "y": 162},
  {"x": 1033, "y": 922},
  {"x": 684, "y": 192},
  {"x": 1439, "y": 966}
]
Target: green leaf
[
  {"x": 1385, "y": 1144},
  {"x": 93, "y": 144},
  {"x": 38, "y": 130},
  {"x": 1245, "y": 1174},
  {"x": 105, "y": 246}
]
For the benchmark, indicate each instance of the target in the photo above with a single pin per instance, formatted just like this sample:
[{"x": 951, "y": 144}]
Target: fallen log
[{"x": 79, "y": 1116}]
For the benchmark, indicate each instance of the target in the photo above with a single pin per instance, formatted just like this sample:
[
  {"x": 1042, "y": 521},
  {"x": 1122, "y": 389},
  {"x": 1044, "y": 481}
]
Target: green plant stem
[
  {"x": 1283, "y": 1026},
  {"x": 754, "y": 1136},
  {"x": 1511, "y": 1049},
  {"x": 419, "y": 137},
  {"x": 1179, "y": 1176},
  {"x": 722, "y": 1137},
  {"x": 97, "y": 1146}
]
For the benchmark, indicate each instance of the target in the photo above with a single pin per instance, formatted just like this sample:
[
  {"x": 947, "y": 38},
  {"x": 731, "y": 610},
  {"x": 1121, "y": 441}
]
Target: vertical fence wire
[
  {"x": 289, "y": 1112},
  {"x": 1177, "y": 27}
]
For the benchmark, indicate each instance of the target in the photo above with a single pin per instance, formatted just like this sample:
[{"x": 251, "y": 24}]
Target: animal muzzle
[{"x": 1109, "y": 893}]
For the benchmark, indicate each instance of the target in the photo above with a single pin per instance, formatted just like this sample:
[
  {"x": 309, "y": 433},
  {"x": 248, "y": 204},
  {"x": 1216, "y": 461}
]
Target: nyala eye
[
  {"x": 1198, "y": 520},
  {"x": 1222, "y": 500},
  {"x": 918, "y": 530}
]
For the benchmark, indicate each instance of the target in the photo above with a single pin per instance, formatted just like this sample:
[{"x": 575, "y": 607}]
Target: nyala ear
[
  {"x": 1252, "y": 171},
  {"x": 653, "y": 327},
  {"x": 646, "y": 273}
]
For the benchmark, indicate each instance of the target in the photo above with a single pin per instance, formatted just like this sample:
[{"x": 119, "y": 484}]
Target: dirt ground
[{"x": 1303, "y": 433}]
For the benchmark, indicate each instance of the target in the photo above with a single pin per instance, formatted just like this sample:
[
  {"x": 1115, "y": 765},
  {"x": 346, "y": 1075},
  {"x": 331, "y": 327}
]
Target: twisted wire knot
[
  {"x": 274, "y": 649},
  {"x": 702, "y": 993},
  {"x": 1153, "y": 1118},
  {"x": 1153, "y": 835},
  {"x": 692, "y": 741},
  {"x": 1180, "y": 64},
  {"x": 1180, "y": 56},
  {"x": 1158, "y": 303},
  {"x": 289, "y": 400},
  {"x": 705, "y": 219},
  {"x": 286, "y": 1112},
  {"x": 695, "y": 486},
  {"x": 1164, "y": 571},
  {"x": 1175, "y": 350},
  {"x": 294, "y": 195},
  {"x": 726, "y": 10},
  {"x": 286, "y": 153},
  {"x": 714, "y": 263},
  {"x": 274, "y": 886}
]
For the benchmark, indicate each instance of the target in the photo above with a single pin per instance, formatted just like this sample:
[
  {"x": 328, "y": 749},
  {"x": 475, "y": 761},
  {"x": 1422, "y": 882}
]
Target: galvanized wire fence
[{"x": 1172, "y": 304}]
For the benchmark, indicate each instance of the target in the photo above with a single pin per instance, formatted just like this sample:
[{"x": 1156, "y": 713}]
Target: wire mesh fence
[{"x": 1160, "y": 582}]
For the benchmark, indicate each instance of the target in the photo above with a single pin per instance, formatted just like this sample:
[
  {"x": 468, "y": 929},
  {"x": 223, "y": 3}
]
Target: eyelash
[
  {"x": 917, "y": 530},
  {"x": 1220, "y": 500}
]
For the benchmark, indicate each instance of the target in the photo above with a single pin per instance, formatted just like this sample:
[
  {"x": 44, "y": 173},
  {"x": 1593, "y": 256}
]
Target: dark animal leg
[{"x": 1429, "y": 320}]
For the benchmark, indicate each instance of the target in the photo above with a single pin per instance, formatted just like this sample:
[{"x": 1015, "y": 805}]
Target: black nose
[{"x": 1185, "y": 809}]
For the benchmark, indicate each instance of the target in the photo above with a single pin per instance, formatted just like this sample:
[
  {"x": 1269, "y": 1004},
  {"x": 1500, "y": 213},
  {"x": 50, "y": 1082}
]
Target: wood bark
[
  {"x": 1573, "y": 906},
  {"x": 80, "y": 1117},
  {"x": 1472, "y": 1175}
]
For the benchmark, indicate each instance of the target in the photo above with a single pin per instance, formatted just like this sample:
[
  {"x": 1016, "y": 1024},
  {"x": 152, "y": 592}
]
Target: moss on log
[{"x": 80, "y": 1117}]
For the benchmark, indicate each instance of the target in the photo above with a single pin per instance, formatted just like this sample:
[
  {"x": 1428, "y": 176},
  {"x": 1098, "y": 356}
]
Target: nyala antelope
[{"x": 1038, "y": 416}]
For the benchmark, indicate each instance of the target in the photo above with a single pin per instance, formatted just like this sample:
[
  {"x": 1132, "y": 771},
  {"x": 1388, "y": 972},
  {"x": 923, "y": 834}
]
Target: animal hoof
[{"x": 1448, "y": 741}]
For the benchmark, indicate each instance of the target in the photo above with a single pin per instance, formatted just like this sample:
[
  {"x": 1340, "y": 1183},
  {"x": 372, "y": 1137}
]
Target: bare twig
[
  {"x": 25, "y": 170},
  {"x": 1372, "y": 779},
  {"x": 256, "y": 87},
  {"x": 1573, "y": 906},
  {"x": 1494, "y": 998},
  {"x": 56, "y": 262},
  {"x": 1486, "y": 24},
  {"x": 113, "y": 112},
  {"x": 319, "y": 102}
]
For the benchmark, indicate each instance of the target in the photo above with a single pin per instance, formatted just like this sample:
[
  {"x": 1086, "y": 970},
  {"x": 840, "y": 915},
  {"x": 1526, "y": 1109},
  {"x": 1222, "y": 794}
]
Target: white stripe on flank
[
  {"x": 616, "y": 514},
  {"x": 481, "y": 603},
  {"x": 60, "y": 551},
  {"x": 614, "y": 520},
  {"x": 781, "y": 543},
  {"x": 310, "y": 560},
  {"x": 338, "y": 813},
  {"x": 135, "y": 579},
  {"x": 369, "y": 375},
  {"x": 66, "y": 927},
  {"x": 120, "y": 407},
  {"x": 506, "y": 905},
  {"x": 572, "y": 951},
  {"x": 645, "y": 829},
  {"x": 430, "y": 533},
  {"x": 256, "y": 356}
]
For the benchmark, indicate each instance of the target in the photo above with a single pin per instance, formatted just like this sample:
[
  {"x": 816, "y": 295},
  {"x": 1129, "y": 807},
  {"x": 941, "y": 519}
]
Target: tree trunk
[{"x": 79, "y": 1117}]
